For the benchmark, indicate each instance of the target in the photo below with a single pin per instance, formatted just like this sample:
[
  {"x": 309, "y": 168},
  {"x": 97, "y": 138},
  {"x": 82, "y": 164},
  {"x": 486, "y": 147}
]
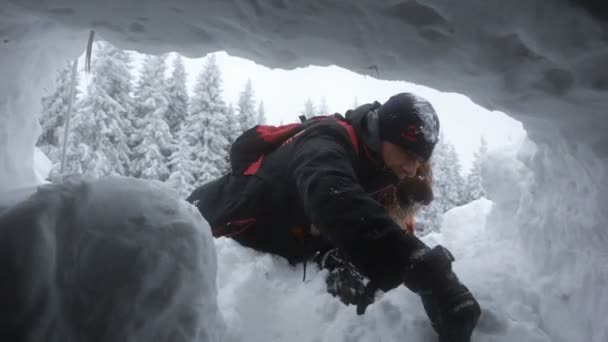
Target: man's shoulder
[{"x": 329, "y": 129}]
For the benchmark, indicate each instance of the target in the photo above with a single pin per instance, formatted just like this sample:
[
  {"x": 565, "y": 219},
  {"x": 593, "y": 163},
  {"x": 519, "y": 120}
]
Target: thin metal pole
[{"x": 69, "y": 114}]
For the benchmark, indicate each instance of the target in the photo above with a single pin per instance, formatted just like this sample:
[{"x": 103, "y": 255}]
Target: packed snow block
[
  {"x": 11, "y": 197},
  {"x": 114, "y": 259}
]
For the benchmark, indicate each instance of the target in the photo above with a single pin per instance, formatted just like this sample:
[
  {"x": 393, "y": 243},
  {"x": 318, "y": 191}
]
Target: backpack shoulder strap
[{"x": 352, "y": 134}]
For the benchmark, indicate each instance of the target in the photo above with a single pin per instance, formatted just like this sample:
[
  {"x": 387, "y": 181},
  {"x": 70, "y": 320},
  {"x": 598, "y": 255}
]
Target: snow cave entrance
[{"x": 171, "y": 118}]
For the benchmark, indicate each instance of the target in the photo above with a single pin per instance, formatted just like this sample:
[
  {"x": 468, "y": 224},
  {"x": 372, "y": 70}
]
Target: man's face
[{"x": 402, "y": 162}]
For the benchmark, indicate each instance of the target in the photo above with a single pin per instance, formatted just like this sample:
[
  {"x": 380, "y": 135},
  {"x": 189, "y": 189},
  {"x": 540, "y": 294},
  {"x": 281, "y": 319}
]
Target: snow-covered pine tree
[
  {"x": 447, "y": 186},
  {"x": 81, "y": 157},
  {"x": 231, "y": 131},
  {"x": 98, "y": 138},
  {"x": 323, "y": 109},
  {"x": 455, "y": 182},
  {"x": 261, "y": 114},
  {"x": 447, "y": 181},
  {"x": 430, "y": 217},
  {"x": 309, "y": 109},
  {"x": 206, "y": 122},
  {"x": 53, "y": 113},
  {"x": 182, "y": 164},
  {"x": 440, "y": 173},
  {"x": 247, "y": 116},
  {"x": 152, "y": 138},
  {"x": 177, "y": 96},
  {"x": 474, "y": 189}
]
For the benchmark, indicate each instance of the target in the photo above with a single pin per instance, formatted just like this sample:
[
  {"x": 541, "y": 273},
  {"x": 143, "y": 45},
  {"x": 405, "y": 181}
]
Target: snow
[
  {"x": 119, "y": 259},
  {"x": 541, "y": 265},
  {"x": 263, "y": 298},
  {"x": 259, "y": 297},
  {"x": 42, "y": 165},
  {"x": 246, "y": 108}
]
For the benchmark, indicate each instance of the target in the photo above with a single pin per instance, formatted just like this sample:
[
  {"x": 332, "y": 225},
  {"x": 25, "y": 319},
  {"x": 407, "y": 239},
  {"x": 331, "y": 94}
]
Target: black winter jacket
[{"x": 318, "y": 178}]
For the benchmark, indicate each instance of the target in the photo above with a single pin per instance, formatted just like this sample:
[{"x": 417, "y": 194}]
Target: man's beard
[
  {"x": 402, "y": 201},
  {"x": 405, "y": 199}
]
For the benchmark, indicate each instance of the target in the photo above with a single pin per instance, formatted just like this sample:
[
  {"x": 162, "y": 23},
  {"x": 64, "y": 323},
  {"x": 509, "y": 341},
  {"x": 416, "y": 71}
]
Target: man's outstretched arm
[
  {"x": 363, "y": 231},
  {"x": 344, "y": 213}
]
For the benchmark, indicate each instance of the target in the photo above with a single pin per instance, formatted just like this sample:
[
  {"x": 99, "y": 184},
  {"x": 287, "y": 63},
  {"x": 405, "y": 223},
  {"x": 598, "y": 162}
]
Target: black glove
[
  {"x": 454, "y": 321},
  {"x": 345, "y": 281},
  {"x": 451, "y": 307}
]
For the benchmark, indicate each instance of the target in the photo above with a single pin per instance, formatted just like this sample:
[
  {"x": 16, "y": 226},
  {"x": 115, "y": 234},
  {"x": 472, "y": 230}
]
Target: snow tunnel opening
[{"x": 134, "y": 115}]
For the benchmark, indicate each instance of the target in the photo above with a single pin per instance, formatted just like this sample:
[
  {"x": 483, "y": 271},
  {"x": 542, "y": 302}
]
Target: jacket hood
[{"x": 364, "y": 120}]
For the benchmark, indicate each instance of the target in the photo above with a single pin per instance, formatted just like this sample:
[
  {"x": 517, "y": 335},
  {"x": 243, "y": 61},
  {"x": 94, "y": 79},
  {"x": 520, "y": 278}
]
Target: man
[{"x": 307, "y": 189}]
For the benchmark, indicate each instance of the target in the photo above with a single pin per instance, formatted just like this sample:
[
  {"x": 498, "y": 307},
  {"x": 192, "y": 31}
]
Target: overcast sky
[{"x": 284, "y": 93}]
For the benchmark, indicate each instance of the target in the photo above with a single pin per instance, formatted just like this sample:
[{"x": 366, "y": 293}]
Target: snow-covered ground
[
  {"x": 264, "y": 299},
  {"x": 128, "y": 248},
  {"x": 127, "y": 239}
]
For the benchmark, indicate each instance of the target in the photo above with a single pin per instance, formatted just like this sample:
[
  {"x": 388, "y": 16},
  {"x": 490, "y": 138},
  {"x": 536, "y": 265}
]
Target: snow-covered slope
[
  {"x": 543, "y": 62},
  {"x": 109, "y": 260},
  {"x": 264, "y": 299}
]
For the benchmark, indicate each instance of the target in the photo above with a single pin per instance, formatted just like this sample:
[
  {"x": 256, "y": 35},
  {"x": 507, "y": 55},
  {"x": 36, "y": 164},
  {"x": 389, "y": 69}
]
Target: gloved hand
[
  {"x": 455, "y": 319},
  {"x": 451, "y": 307},
  {"x": 345, "y": 281}
]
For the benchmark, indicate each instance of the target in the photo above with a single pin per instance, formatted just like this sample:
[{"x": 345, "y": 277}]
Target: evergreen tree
[
  {"x": 98, "y": 143},
  {"x": 261, "y": 114},
  {"x": 205, "y": 125},
  {"x": 182, "y": 164},
  {"x": 309, "y": 109},
  {"x": 233, "y": 129},
  {"x": 81, "y": 158},
  {"x": 104, "y": 119},
  {"x": 152, "y": 140},
  {"x": 455, "y": 182},
  {"x": 247, "y": 113},
  {"x": 474, "y": 189},
  {"x": 323, "y": 109},
  {"x": 448, "y": 185},
  {"x": 430, "y": 218},
  {"x": 231, "y": 132},
  {"x": 53, "y": 114},
  {"x": 177, "y": 96}
]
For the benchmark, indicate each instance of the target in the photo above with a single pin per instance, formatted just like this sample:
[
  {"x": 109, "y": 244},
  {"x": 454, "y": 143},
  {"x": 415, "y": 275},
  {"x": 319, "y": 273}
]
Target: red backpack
[{"x": 249, "y": 149}]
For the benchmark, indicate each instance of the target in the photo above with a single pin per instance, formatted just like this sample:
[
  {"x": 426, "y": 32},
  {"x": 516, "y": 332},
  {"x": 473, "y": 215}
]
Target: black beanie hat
[{"x": 409, "y": 121}]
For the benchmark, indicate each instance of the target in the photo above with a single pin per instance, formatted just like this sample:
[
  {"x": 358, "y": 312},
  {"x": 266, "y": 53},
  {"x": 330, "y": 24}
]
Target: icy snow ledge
[{"x": 110, "y": 260}]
